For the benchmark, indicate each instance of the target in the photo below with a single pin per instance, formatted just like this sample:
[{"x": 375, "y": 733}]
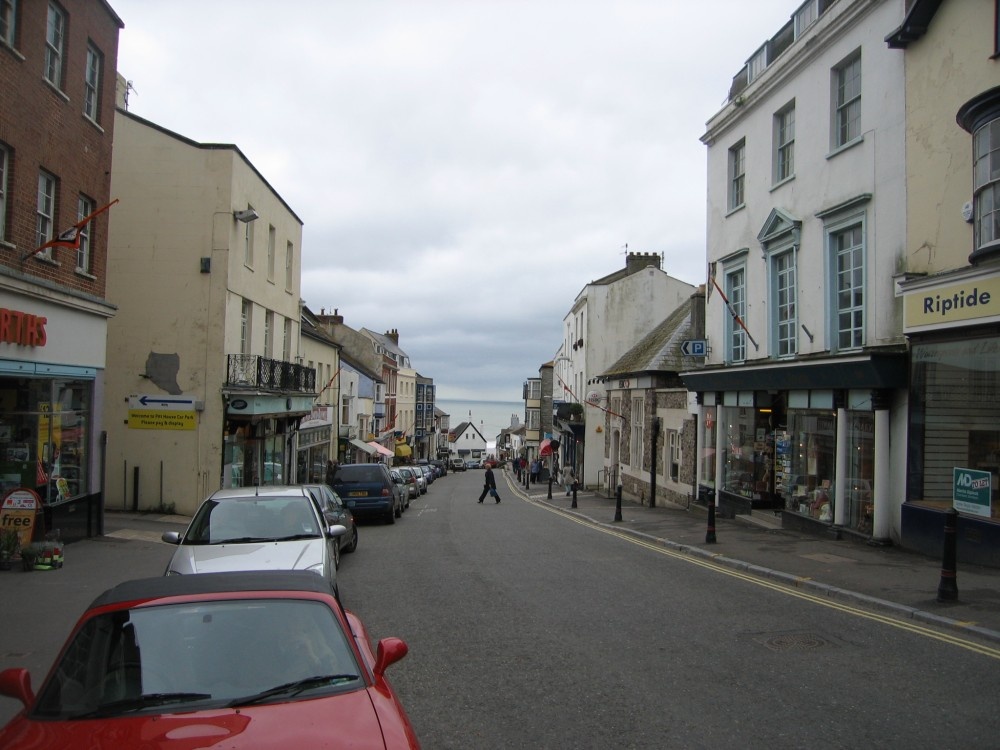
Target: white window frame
[
  {"x": 784, "y": 301},
  {"x": 784, "y": 143},
  {"x": 268, "y": 333},
  {"x": 847, "y": 268},
  {"x": 8, "y": 22},
  {"x": 270, "y": 252},
  {"x": 756, "y": 64},
  {"x": 248, "y": 247},
  {"x": 55, "y": 44},
  {"x": 45, "y": 210},
  {"x": 289, "y": 265},
  {"x": 736, "y": 183},
  {"x": 736, "y": 337},
  {"x": 847, "y": 84},
  {"x": 673, "y": 467},
  {"x": 246, "y": 326},
  {"x": 533, "y": 417},
  {"x": 92, "y": 75},
  {"x": 287, "y": 346},
  {"x": 638, "y": 426},
  {"x": 805, "y": 16},
  {"x": 986, "y": 184},
  {"x": 84, "y": 207}
]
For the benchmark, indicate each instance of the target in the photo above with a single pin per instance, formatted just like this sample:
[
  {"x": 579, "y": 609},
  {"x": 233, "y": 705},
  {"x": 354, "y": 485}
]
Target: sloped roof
[
  {"x": 660, "y": 349},
  {"x": 461, "y": 428}
]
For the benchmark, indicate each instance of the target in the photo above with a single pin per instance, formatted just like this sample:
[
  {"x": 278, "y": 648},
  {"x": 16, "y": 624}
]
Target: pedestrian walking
[
  {"x": 536, "y": 466},
  {"x": 489, "y": 486},
  {"x": 568, "y": 478},
  {"x": 331, "y": 469}
]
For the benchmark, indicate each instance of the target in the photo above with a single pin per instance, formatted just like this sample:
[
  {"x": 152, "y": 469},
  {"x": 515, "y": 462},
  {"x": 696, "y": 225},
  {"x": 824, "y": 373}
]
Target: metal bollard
[
  {"x": 527, "y": 479},
  {"x": 710, "y": 533},
  {"x": 549, "y": 497},
  {"x": 948, "y": 587},
  {"x": 618, "y": 503},
  {"x": 574, "y": 496}
]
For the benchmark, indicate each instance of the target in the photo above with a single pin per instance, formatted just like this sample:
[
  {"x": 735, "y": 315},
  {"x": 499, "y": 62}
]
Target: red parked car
[{"x": 236, "y": 660}]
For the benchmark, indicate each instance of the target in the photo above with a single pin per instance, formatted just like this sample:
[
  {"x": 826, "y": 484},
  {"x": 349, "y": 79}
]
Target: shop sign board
[
  {"x": 18, "y": 511},
  {"x": 150, "y": 412},
  {"x": 971, "y": 491}
]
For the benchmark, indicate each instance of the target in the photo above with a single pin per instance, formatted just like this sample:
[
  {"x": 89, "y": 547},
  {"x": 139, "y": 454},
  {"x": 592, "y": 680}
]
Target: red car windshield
[{"x": 181, "y": 657}]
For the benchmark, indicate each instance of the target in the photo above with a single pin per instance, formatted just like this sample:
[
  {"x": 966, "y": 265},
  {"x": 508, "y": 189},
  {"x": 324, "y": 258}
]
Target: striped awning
[{"x": 363, "y": 446}]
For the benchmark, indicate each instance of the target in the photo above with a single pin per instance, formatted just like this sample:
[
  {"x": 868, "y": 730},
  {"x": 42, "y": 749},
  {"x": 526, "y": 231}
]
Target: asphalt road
[{"x": 531, "y": 629}]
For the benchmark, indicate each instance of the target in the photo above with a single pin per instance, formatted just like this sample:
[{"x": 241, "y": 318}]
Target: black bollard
[
  {"x": 574, "y": 496},
  {"x": 618, "y": 503},
  {"x": 527, "y": 479},
  {"x": 710, "y": 534},
  {"x": 948, "y": 587},
  {"x": 549, "y": 497}
]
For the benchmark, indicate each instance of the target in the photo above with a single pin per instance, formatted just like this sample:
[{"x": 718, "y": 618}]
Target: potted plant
[{"x": 10, "y": 544}]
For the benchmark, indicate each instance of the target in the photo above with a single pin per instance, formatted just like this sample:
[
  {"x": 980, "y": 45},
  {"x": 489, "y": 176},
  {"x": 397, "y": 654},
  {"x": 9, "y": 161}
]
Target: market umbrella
[{"x": 545, "y": 448}]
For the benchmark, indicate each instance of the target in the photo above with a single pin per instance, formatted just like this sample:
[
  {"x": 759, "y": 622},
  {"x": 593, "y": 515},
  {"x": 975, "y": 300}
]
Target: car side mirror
[
  {"x": 16, "y": 683},
  {"x": 388, "y": 652},
  {"x": 336, "y": 530},
  {"x": 171, "y": 537}
]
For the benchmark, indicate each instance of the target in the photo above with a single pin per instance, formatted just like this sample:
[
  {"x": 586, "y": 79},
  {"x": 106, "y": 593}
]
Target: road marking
[{"x": 783, "y": 588}]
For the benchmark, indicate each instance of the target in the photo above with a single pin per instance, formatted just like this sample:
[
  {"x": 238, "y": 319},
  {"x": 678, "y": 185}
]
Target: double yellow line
[{"x": 783, "y": 588}]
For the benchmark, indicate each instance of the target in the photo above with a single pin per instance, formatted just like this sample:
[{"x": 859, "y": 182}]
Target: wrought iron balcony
[{"x": 254, "y": 371}]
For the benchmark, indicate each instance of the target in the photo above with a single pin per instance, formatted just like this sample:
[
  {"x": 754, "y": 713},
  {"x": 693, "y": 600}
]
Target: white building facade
[{"x": 803, "y": 398}]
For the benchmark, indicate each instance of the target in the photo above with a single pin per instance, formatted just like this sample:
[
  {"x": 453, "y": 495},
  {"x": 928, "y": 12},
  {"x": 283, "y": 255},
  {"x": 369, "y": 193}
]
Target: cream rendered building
[
  {"x": 205, "y": 381},
  {"x": 950, "y": 282}
]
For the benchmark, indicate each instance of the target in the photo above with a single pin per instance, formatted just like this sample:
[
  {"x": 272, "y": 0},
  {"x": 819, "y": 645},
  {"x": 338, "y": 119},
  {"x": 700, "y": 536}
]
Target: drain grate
[{"x": 793, "y": 641}]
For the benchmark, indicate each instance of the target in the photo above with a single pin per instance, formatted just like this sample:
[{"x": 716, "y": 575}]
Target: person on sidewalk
[
  {"x": 490, "y": 486},
  {"x": 568, "y": 478}
]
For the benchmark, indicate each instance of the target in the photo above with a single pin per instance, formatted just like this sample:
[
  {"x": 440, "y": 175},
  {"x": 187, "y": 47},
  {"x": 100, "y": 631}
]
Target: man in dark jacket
[{"x": 490, "y": 486}]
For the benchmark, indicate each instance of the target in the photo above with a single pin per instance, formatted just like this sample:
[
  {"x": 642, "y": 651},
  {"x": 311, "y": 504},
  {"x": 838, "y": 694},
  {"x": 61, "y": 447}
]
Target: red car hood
[{"x": 340, "y": 721}]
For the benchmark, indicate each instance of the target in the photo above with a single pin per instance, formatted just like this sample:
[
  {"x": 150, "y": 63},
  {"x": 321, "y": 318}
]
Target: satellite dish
[{"x": 594, "y": 397}]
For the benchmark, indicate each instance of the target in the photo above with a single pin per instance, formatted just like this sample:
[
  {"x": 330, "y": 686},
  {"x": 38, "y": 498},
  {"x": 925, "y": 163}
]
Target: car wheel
[
  {"x": 398, "y": 511},
  {"x": 354, "y": 541},
  {"x": 391, "y": 516}
]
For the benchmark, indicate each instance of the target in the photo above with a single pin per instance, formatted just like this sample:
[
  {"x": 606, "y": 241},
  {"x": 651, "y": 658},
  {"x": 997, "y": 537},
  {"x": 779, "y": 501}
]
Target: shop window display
[
  {"x": 44, "y": 426},
  {"x": 953, "y": 418},
  {"x": 809, "y": 452},
  {"x": 749, "y": 468}
]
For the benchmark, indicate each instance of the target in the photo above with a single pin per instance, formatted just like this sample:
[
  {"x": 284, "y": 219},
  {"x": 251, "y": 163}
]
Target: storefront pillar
[
  {"x": 840, "y": 470},
  {"x": 882, "y": 513}
]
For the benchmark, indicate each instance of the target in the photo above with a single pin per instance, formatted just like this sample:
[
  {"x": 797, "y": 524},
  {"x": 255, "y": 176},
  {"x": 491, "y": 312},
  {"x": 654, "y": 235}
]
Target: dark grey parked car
[
  {"x": 369, "y": 491},
  {"x": 335, "y": 510}
]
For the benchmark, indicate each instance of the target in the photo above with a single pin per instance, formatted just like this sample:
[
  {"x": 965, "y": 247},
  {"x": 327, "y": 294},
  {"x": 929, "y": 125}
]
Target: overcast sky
[{"x": 462, "y": 169}]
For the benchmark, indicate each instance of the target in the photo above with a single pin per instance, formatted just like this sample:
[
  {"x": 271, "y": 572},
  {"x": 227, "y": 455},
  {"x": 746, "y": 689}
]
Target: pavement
[{"x": 887, "y": 579}]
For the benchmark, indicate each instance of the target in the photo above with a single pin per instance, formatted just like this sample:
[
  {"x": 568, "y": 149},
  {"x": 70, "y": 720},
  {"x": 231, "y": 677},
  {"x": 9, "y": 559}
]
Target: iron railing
[{"x": 254, "y": 371}]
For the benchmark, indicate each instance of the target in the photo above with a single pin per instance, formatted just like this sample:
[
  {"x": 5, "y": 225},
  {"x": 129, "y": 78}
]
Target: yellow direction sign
[{"x": 162, "y": 413}]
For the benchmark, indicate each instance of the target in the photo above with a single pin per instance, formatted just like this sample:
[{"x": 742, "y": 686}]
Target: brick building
[{"x": 57, "y": 73}]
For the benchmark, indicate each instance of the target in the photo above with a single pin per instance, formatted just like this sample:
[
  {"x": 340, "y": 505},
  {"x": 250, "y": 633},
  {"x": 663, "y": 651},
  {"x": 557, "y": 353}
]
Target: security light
[{"x": 246, "y": 215}]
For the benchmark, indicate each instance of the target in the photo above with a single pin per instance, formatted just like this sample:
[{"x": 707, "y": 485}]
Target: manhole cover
[{"x": 793, "y": 641}]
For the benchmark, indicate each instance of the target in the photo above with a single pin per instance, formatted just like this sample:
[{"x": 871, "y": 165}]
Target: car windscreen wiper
[
  {"x": 243, "y": 540},
  {"x": 291, "y": 688},
  {"x": 148, "y": 700},
  {"x": 294, "y": 537}
]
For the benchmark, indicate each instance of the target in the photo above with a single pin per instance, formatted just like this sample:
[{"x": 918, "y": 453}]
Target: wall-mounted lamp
[{"x": 246, "y": 215}]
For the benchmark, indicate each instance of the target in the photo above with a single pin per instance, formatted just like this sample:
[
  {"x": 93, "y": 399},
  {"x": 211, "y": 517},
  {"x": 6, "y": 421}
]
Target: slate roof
[{"x": 660, "y": 349}]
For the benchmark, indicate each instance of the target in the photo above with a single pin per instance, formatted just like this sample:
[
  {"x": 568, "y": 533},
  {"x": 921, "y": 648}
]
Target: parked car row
[{"x": 251, "y": 561}]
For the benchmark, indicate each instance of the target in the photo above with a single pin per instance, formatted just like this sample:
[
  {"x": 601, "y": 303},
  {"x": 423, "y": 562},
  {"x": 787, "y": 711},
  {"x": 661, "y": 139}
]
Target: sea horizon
[{"x": 489, "y": 417}]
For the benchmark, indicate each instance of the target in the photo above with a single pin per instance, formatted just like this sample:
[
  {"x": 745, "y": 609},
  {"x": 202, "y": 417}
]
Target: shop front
[
  {"x": 954, "y": 420},
  {"x": 51, "y": 367},
  {"x": 257, "y": 438},
  {"x": 799, "y": 443}
]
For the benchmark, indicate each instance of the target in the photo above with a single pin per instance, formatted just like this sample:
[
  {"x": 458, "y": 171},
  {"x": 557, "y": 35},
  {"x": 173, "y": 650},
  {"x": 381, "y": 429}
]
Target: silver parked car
[
  {"x": 412, "y": 482},
  {"x": 257, "y": 528}
]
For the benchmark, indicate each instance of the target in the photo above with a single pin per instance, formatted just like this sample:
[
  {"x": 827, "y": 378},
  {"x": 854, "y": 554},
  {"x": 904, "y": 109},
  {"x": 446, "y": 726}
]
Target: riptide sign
[{"x": 972, "y": 491}]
